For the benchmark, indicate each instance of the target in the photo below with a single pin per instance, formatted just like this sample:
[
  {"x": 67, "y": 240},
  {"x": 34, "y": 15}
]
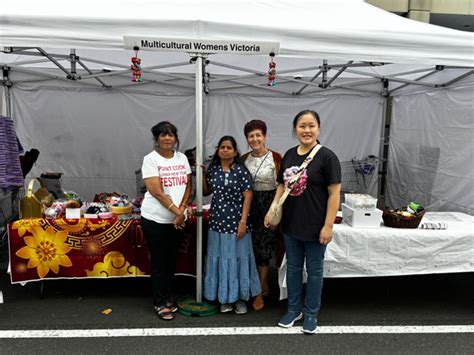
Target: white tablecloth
[{"x": 385, "y": 251}]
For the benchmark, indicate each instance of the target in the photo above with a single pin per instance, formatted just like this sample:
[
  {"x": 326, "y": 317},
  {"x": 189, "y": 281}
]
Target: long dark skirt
[{"x": 263, "y": 239}]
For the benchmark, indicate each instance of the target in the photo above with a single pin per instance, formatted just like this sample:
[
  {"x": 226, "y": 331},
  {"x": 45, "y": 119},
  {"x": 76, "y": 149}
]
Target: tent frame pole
[
  {"x": 385, "y": 140},
  {"x": 452, "y": 81},
  {"x": 7, "y": 85},
  {"x": 199, "y": 169},
  {"x": 419, "y": 78},
  {"x": 55, "y": 62}
]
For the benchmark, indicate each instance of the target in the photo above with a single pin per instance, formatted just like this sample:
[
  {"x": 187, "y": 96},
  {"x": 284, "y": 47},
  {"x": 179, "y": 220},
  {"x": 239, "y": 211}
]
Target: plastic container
[
  {"x": 360, "y": 201},
  {"x": 361, "y": 218}
]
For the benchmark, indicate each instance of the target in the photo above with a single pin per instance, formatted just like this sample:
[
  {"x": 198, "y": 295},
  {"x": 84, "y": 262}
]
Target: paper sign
[{"x": 200, "y": 45}]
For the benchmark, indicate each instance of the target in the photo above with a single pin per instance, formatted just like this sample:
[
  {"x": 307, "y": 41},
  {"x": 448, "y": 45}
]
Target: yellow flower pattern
[
  {"x": 45, "y": 250},
  {"x": 24, "y": 225}
]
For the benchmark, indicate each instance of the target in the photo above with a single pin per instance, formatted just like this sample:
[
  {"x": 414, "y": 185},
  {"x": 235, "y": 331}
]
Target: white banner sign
[{"x": 200, "y": 46}]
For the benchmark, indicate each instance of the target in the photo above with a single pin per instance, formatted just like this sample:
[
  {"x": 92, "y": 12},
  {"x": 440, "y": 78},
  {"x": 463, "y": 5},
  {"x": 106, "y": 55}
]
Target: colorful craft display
[
  {"x": 43, "y": 249},
  {"x": 136, "y": 66},
  {"x": 271, "y": 71}
]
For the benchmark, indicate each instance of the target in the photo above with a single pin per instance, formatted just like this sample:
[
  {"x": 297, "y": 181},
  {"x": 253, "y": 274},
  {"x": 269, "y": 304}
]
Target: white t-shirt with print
[{"x": 173, "y": 174}]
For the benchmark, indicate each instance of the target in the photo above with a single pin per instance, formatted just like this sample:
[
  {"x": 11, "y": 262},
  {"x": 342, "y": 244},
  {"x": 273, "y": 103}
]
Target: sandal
[
  {"x": 172, "y": 306},
  {"x": 164, "y": 313},
  {"x": 258, "y": 303}
]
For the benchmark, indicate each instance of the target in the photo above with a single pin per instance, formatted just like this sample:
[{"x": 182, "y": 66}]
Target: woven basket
[
  {"x": 121, "y": 210},
  {"x": 394, "y": 220}
]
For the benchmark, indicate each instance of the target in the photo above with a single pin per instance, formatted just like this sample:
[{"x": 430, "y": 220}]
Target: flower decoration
[
  {"x": 24, "y": 225},
  {"x": 45, "y": 250}
]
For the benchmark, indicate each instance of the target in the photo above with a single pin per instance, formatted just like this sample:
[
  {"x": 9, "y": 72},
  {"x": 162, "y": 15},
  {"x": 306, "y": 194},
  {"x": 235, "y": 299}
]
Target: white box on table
[
  {"x": 73, "y": 213},
  {"x": 361, "y": 218}
]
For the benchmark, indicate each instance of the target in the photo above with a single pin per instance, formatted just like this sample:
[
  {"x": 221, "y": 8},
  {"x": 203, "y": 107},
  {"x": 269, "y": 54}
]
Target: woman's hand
[
  {"x": 241, "y": 229},
  {"x": 325, "y": 236},
  {"x": 179, "y": 221},
  {"x": 267, "y": 224}
]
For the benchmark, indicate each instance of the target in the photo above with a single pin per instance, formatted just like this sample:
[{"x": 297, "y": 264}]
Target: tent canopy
[{"x": 337, "y": 29}]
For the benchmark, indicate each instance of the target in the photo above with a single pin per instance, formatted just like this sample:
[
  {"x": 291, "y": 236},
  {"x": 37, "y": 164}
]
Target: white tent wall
[
  {"x": 98, "y": 137},
  {"x": 350, "y": 124},
  {"x": 431, "y": 151}
]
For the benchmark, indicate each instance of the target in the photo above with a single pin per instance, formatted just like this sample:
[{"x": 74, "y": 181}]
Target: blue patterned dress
[{"x": 230, "y": 271}]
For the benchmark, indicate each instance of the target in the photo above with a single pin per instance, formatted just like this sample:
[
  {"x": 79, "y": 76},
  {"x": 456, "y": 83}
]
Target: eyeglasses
[{"x": 226, "y": 179}]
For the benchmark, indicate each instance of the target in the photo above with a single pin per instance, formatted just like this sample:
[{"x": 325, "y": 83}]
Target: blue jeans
[{"x": 296, "y": 251}]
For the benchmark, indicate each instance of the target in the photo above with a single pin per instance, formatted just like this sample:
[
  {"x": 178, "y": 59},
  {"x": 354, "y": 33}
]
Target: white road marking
[{"x": 159, "y": 332}]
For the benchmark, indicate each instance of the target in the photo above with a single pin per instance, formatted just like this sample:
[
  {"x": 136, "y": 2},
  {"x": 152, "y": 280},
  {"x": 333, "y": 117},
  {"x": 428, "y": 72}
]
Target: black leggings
[{"x": 163, "y": 242}]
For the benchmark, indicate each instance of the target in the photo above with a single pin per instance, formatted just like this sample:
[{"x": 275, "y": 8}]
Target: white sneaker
[
  {"x": 226, "y": 308},
  {"x": 240, "y": 307}
]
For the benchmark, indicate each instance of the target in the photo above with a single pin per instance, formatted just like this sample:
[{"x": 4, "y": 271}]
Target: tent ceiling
[{"x": 38, "y": 65}]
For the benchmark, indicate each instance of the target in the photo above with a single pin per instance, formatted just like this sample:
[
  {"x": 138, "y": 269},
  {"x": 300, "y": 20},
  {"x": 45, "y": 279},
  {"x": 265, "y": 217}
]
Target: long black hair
[
  {"x": 216, "y": 160},
  {"x": 165, "y": 127}
]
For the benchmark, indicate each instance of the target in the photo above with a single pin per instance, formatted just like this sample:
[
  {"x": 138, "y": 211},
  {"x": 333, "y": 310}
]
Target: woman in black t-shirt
[{"x": 308, "y": 216}]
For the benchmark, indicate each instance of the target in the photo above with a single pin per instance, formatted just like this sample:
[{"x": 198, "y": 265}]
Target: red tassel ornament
[{"x": 136, "y": 67}]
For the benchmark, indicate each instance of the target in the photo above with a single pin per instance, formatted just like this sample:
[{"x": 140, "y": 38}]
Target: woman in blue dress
[{"x": 231, "y": 275}]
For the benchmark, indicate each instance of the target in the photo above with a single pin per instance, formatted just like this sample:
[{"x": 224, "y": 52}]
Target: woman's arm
[
  {"x": 325, "y": 236},
  {"x": 153, "y": 186},
  {"x": 279, "y": 192},
  {"x": 187, "y": 193},
  {"x": 242, "y": 228}
]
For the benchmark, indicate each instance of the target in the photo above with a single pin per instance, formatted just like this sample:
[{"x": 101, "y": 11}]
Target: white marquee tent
[
  {"x": 66, "y": 84},
  {"x": 72, "y": 97}
]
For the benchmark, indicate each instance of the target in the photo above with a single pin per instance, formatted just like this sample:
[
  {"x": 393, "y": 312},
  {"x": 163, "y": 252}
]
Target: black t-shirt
[{"x": 304, "y": 210}]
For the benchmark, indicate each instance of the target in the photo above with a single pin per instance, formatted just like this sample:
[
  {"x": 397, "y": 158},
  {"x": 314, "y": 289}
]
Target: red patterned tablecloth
[{"x": 42, "y": 249}]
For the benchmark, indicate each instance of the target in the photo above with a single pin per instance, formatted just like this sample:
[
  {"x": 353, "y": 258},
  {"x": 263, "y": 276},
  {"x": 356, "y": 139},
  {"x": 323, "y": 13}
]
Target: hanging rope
[
  {"x": 271, "y": 71},
  {"x": 136, "y": 66}
]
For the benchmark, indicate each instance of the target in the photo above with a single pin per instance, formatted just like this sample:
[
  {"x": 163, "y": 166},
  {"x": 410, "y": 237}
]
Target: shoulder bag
[{"x": 275, "y": 211}]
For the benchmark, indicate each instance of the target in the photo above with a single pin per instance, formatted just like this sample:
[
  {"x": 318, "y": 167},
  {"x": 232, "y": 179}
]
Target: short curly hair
[{"x": 253, "y": 125}]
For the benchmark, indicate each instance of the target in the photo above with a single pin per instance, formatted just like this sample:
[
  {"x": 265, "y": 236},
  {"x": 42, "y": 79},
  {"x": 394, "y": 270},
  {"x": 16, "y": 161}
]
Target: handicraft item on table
[
  {"x": 406, "y": 217},
  {"x": 136, "y": 66},
  {"x": 30, "y": 206}
]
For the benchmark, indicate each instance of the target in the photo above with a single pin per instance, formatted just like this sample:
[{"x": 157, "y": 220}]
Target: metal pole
[
  {"x": 199, "y": 161},
  {"x": 8, "y": 101},
  {"x": 7, "y": 85},
  {"x": 384, "y": 146}
]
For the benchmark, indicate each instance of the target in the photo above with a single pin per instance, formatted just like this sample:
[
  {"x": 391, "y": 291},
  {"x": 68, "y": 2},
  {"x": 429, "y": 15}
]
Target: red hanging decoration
[
  {"x": 271, "y": 71},
  {"x": 136, "y": 66}
]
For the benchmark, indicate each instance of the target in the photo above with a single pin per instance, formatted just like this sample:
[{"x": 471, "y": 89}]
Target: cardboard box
[{"x": 361, "y": 218}]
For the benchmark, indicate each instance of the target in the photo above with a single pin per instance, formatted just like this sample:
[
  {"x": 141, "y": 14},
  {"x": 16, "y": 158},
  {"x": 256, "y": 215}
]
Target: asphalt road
[{"x": 386, "y": 301}]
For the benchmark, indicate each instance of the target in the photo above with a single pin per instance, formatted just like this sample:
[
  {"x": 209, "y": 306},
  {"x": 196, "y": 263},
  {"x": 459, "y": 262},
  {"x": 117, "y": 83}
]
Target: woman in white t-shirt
[{"x": 167, "y": 176}]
